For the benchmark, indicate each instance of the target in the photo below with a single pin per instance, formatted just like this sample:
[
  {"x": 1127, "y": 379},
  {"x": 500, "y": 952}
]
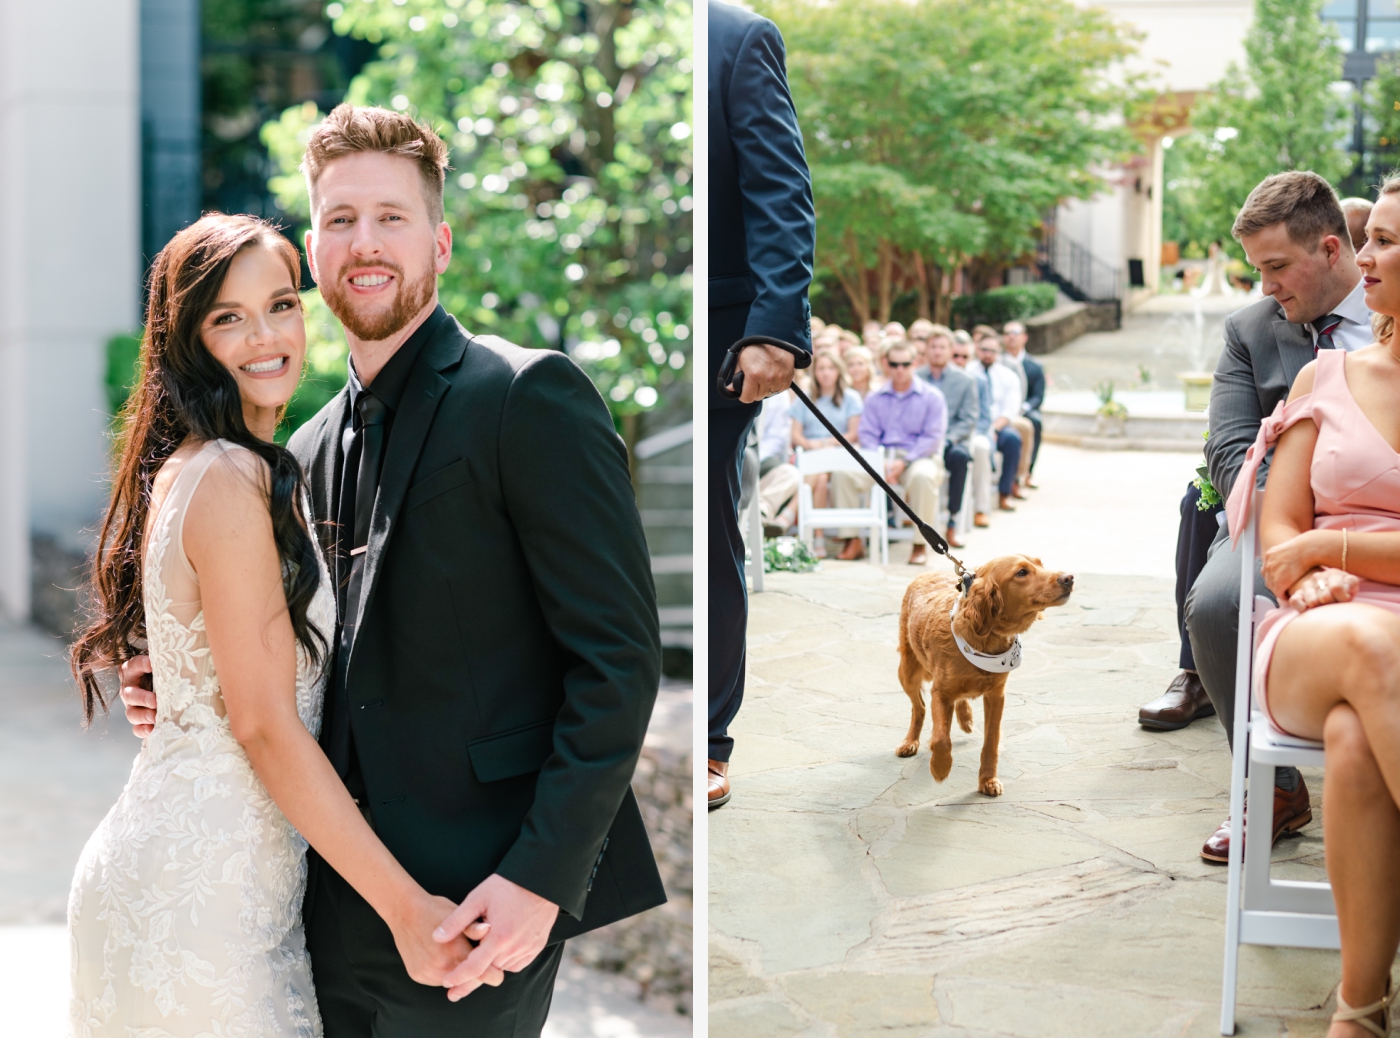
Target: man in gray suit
[
  {"x": 1295, "y": 234},
  {"x": 961, "y": 393}
]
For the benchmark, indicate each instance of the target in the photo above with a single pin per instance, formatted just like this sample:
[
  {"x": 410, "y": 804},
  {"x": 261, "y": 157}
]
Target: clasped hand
[
  {"x": 767, "y": 370},
  {"x": 1295, "y": 572}
]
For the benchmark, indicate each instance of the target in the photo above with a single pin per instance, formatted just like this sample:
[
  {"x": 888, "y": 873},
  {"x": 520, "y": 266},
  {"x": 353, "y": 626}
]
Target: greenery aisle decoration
[
  {"x": 788, "y": 554},
  {"x": 569, "y": 123}
]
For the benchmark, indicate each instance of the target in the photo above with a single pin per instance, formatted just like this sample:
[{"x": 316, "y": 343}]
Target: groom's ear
[{"x": 311, "y": 258}]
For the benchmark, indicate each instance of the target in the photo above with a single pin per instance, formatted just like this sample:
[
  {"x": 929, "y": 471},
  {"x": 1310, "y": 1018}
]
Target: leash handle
[{"x": 731, "y": 381}]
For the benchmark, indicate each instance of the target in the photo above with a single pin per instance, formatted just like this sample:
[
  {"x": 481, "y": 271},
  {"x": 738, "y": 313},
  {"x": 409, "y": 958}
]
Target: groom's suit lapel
[
  {"x": 1295, "y": 348},
  {"x": 417, "y": 407},
  {"x": 323, "y": 474}
]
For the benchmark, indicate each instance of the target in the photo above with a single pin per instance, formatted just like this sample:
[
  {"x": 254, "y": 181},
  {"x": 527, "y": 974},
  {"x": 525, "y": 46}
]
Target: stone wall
[
  {"x": 1049, "y": 331},
  {"x": 655, "y": 948}
]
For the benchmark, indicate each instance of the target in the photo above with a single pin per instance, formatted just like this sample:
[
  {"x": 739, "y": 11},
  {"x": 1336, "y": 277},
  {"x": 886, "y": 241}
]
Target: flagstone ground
[{"x": 852, "y": 896}]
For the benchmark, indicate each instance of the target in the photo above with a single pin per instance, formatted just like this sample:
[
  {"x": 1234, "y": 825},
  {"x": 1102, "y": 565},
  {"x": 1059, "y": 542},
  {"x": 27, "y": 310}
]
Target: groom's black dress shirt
[{"x": 355, "y": 503}]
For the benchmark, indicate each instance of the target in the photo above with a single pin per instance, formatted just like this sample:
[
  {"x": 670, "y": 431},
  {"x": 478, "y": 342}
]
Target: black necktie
[
  {"x": 1325, "y": 326},
  {"x": 364, "y": 454}
]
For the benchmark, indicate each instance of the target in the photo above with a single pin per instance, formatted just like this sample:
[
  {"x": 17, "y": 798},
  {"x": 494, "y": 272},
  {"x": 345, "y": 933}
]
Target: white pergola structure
[{"x": 70, "y": 254}]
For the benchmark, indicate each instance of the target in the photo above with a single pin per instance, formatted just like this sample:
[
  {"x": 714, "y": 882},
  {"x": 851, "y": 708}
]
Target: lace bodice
[
  {"x": 187, "y": 687},
  {"x": 185, "y": 912}
]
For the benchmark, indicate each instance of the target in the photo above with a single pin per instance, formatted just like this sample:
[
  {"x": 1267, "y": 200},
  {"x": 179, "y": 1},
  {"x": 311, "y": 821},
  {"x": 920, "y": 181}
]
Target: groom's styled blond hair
[{"x": 349, "y": 130}]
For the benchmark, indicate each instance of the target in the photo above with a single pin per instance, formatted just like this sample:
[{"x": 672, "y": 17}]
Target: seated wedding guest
[
  {"x": 1005, "y": 393},
  {"x": 870, "y": 334},
  {"x": 1014, "y": 355},
  {"x": 860, "y": 371},
  {"x": 962, "y": 349},
  {"x": 1185, "y": 698},
  {"x": 1356, "y": 210},
  {"x": 818, "y": 326},
  {"x": 1328, "y": 659},
  {"x": 909, "y": 418},
  {"x": 964, "y": 407},
  {"x": 834, "y": 397},
  {"x": 777, "y": 476},
  {"x": 893, "y": 330},
  {"x": 1025, "y": 432},
  {"x": 918, "y": 336},
  {"x": 1294, "y": 233}
]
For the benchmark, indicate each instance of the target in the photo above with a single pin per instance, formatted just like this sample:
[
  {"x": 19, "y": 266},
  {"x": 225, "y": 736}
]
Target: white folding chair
[
  {"x": 1258, "y": 908},
  {"x": 753, "y": 567},
  {"x": 872, "y": 518}
]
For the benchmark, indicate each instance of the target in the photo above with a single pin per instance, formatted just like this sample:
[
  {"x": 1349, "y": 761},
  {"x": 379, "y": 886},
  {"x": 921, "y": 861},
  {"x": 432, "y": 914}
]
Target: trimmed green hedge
[{"x": 999, "y": 305}]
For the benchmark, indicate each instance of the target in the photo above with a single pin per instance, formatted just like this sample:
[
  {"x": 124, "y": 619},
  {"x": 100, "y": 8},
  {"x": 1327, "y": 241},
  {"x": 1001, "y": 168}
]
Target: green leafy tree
[
  {"x": 939, "y": 132},
  {"x": 569, "y": 123},
  {"x": 1280, "y": 111}
]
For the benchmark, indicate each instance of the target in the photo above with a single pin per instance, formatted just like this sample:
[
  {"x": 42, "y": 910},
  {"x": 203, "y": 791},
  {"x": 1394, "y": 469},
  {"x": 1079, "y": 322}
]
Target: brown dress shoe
[
  {"x": 854, "y": 549},
  {"x": 1016, "y": 492},
  {"x": 1292, "y": 811},
  {"x": 981, "y": 519},
  {"x": 1184, "y": 700},
  {"x": 1004, "y": 503},
  {"x": 719, "y": 783},
  {"x": 918, "y": 555},
  {"x": 951, "y": 536}
]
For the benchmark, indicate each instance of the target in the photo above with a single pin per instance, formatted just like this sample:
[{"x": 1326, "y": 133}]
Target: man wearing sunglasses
[{"x": 909, "y": 418}]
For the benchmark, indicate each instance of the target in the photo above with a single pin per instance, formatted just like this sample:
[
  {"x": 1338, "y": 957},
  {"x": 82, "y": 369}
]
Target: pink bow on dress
[{"x": 1286, "y": 415}]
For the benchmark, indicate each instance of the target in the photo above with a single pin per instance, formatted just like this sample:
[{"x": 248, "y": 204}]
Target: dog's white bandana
[{"x": 1001, "y": 664}]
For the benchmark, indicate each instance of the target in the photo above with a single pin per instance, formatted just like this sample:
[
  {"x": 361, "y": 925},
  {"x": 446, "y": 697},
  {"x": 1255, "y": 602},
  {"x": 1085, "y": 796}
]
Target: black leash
[{"x": 731, "y": 385}]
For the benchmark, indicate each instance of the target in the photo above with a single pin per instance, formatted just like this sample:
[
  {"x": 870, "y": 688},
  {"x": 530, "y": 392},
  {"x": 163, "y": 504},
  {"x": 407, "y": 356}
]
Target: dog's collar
[{"x": 1002, "y": 663}]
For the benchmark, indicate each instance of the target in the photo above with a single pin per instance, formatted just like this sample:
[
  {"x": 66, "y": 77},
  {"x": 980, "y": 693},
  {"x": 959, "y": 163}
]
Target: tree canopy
[
  {"x": 569, "y": 123},
  {"x": 939, "y": 132},
  {"x": 1283, "y": 109}
]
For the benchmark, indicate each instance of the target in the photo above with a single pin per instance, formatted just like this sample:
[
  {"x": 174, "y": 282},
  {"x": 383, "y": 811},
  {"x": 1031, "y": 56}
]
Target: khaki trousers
[
  {"x": 981, "y": 473},
  {"x": 920, "y": 482},
  {"x": 1026, "y": 431},
  {"x": 777, "y": 488}
]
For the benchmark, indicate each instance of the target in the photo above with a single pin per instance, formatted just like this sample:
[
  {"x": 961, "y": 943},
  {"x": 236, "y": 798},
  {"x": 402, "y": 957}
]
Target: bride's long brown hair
[{"x": 183, "y": 392}]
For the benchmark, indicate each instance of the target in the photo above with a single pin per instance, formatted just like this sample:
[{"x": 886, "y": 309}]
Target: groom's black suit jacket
[{"x": 507, "y": 653}]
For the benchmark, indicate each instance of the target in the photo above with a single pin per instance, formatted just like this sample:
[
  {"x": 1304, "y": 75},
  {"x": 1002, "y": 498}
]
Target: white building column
[{"x": 70, "y": 195}]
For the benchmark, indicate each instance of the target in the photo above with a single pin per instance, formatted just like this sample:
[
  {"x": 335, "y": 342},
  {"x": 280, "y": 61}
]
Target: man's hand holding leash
[{"x": 767, "y": 370}]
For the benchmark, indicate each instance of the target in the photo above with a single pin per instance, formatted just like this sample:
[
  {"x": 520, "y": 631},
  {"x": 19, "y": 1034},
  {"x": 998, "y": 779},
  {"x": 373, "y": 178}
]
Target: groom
[{"x": 498, "y": 653}]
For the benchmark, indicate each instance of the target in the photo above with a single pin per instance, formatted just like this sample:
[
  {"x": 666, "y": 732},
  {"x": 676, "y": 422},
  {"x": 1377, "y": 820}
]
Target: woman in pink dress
[{"x": 1328, "y": 663}]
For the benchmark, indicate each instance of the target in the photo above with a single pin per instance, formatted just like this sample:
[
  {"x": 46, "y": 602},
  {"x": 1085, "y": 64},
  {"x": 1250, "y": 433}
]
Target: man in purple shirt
[{"x": 909, "y": 418}]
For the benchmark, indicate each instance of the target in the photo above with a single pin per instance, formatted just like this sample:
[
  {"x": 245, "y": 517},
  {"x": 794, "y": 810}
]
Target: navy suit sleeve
[
  {"x": 780, "y": 223},
  {"x": 1035, "y": 384}
]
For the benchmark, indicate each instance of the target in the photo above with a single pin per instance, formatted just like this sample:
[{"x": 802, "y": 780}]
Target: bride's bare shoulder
[{"x": 230, "y": 504}]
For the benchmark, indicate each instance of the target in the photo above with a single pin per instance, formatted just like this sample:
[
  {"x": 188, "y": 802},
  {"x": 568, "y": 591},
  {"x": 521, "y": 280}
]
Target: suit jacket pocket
[
  {"x": 513, "y": 753},
  {"x": 440, "y": 482}
]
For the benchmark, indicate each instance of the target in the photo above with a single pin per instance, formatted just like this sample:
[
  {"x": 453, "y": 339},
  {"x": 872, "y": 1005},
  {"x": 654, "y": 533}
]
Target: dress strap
[{"x": 1287, "y": 414}]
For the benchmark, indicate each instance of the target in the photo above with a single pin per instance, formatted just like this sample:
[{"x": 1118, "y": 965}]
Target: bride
[{"x": 185, "y": 912}]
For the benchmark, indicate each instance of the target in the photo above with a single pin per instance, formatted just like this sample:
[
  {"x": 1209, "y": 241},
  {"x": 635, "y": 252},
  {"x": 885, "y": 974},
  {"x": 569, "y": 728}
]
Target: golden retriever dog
[{"x": 1008, "y": 595}]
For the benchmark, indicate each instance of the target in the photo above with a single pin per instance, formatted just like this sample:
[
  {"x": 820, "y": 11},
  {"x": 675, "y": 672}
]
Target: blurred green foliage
[
  {"x": 123, "y": 367},
  {"x": 939, "y": 132},
  {"x": 1281, "y": 110},
  {"x": 569, "y": 123},
  {"x": 1007, "y": 303}
]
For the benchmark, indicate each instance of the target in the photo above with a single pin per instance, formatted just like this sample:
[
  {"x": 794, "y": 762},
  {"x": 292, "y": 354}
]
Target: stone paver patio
[{"x": 852, "y": 896}]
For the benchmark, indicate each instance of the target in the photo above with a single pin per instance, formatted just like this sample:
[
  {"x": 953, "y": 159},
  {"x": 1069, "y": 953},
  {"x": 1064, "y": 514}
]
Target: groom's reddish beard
[{"x": 375, "y": 327}]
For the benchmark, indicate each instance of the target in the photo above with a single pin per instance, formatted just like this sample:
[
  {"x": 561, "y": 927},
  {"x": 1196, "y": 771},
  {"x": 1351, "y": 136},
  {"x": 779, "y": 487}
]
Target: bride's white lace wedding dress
[{"x": 185, "y": 912}]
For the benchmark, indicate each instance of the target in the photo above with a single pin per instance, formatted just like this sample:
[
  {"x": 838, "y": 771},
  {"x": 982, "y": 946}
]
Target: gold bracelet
[{"x": 1344, "y": 549}]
